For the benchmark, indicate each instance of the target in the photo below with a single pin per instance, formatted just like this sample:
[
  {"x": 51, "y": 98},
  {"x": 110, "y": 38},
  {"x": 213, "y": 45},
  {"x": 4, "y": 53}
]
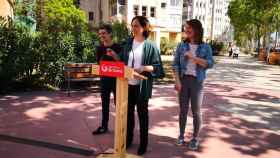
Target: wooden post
[{"x": 121, "y": 115}]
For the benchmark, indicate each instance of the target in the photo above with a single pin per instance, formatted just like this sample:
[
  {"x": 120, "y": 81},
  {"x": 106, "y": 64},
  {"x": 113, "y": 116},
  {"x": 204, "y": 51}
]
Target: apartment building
[
  {"x": 213, "y": 16},
  {"x": 165, "y": 16}
]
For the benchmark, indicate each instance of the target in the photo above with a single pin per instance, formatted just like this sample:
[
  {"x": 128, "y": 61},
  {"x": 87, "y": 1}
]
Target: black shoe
[
  {"x": 100, "y": 130},
  {"x": 141, "y": 150}
]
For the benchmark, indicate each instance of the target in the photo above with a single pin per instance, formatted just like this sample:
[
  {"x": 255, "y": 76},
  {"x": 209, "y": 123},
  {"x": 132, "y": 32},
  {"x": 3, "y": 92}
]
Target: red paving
[{"x": 55, "y": 118}]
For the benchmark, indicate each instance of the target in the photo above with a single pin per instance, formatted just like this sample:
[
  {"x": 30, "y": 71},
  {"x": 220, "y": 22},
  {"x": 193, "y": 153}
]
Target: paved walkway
[{"x": 241, "y": 114}]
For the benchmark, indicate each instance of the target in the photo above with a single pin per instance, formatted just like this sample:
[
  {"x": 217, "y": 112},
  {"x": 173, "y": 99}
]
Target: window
[
  {"x": 114, "y": 9},
  {"x": 175, "y": 2},
  {"x": 175, "y": 20},
  {"x": 121, "y": 2},
  {"x": 153, "y": 12},
  {"x": 136, "y": 10},
  {"x": 144, "y": 11},
  {"x": 163, "y": 5},
  {"x": 90, "y": 16},
  {"x": 121, "y": 9},
  {"x": 172, "y": 2}
]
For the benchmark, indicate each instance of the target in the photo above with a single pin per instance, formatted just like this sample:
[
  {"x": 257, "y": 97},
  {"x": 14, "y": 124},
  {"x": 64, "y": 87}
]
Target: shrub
[
  {"x": 37, "y": 57},
  {"x": 167, "y": 47},
  {"x": 18, "y": 53},
  {"x": 217, "y": 47},
  {"x": 120, "y": 31},
  {"x": 65, "y": 38}
]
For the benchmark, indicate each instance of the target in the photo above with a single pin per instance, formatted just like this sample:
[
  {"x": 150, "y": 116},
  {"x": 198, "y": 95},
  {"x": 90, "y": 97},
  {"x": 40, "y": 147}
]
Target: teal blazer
[{"x": 151, "y": 56}]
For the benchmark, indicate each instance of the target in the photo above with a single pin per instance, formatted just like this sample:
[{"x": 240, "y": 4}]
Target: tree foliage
[
  {"x": 253, "y": 19},
  {"x": 38, "y": 56},
  {"x": 63, "y": 16}
]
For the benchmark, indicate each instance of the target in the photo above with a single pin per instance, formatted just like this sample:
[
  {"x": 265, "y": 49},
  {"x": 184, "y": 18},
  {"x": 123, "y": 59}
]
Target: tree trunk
[{"x": 259, "y": 39}]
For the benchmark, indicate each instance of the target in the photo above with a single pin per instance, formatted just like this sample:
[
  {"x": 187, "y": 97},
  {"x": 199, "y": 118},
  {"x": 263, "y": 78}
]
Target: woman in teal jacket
[
  {"x": 191, "y": 60},
  {"x": 143, "y": 56}
]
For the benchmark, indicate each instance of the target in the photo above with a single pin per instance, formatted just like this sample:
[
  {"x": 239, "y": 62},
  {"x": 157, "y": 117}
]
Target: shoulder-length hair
[
  {"x": 198, "y": 30},
  {"x": 144, "y": 22}
]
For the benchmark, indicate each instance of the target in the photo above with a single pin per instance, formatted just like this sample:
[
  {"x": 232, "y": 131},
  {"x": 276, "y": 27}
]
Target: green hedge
[
  {"x": 167, "y": 47},
  {"x": 217, "y": 47},
  {"x": 37, "y": 58}
]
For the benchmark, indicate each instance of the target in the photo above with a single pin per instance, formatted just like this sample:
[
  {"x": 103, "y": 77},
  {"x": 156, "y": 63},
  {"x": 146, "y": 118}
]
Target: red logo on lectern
[{"x": 111, "y": 69}]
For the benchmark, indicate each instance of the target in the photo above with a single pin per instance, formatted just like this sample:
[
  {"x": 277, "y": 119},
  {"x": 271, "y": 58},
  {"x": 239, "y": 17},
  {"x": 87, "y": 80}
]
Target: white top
[
  {"x": 235, "y": 50},
  {"x": 191, "y": 66},
  {"x": 136, "y": 54}
]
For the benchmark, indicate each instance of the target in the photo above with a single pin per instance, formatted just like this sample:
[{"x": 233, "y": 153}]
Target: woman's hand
[
  {"x": 178, "y": 86},
  {"x": 190, "y": 56},
  {"x": 199, "y": 61},
  {"x": 145, "y": 69},
  {"x": 112, "y": 54},
  {"x": 138, "y": 76}
]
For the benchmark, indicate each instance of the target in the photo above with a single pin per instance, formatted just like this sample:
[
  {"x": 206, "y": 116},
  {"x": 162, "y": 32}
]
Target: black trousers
[
  {"x": 142, "y": 110},
  {"x": 108, "y": 85}
]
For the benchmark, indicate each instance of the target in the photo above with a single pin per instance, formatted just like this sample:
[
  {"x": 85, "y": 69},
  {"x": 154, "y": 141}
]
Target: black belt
[{"x": 190, "y": 76}]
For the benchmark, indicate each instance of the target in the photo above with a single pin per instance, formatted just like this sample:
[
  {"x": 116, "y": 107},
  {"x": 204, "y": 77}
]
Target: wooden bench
[{"x": 75, "y": 72}]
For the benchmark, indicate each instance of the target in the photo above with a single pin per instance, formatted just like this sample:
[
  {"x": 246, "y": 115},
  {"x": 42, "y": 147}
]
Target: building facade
[
  {"x": 213, "y": 16},
  {"x": 165, "y": 16}
]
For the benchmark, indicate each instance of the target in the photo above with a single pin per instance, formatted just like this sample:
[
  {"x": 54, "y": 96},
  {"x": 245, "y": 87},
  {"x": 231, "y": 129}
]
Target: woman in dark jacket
[{"x": 143, "y": 56}]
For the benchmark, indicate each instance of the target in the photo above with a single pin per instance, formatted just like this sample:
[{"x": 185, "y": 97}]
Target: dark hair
[
  {"x": 144, "y": 22},
  {"x": 106, "y": 27},
  {"x": 198, "y": 30}
]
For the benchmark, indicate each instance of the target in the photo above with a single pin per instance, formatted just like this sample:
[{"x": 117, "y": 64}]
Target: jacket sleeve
[
  {"x": 176, "y": 60},
  {"x": 156, "y": 63},
  {"x": 209, "y": 57},
  {"x": 122, "y": 51}
]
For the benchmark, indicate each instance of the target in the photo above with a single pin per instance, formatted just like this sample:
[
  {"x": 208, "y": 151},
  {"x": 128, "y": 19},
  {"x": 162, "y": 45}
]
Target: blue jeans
[{"x": 192, "y": 91}]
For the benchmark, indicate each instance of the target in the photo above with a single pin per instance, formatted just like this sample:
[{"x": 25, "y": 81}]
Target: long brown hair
[{"x": 198, "y": 30}]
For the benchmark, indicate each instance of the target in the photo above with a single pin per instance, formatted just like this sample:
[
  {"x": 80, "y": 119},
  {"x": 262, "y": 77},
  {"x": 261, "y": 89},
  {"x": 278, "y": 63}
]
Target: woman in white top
[{"x": 142, "y": 55}]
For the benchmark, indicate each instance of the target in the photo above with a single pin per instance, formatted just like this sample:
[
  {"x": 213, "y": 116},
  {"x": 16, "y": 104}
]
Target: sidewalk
[{"x": 241, "y": 120}]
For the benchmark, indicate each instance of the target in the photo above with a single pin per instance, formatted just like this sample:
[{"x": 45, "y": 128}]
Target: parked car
[{"x": 274, "y": 56}]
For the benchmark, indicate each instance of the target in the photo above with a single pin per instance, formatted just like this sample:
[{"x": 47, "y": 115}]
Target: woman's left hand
[
  {"x": 190, "y": 56},
  {"x": 145, "y": 69},
  {"x": 138, "y": 76}
]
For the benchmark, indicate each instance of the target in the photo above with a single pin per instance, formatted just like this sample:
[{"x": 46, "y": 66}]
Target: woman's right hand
[
  {"x": 178, "y": 86},
  {"x": 113, "y": 54}
]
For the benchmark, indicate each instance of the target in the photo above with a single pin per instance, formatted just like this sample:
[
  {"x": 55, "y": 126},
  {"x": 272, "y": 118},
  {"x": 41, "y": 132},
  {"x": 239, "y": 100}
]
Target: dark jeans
[
  {"x": 142, "y": 110},
  {"x": 192, "y": 91},
  {"x": 230, "y": 53},
  {"x": 108, "y": 85}
]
